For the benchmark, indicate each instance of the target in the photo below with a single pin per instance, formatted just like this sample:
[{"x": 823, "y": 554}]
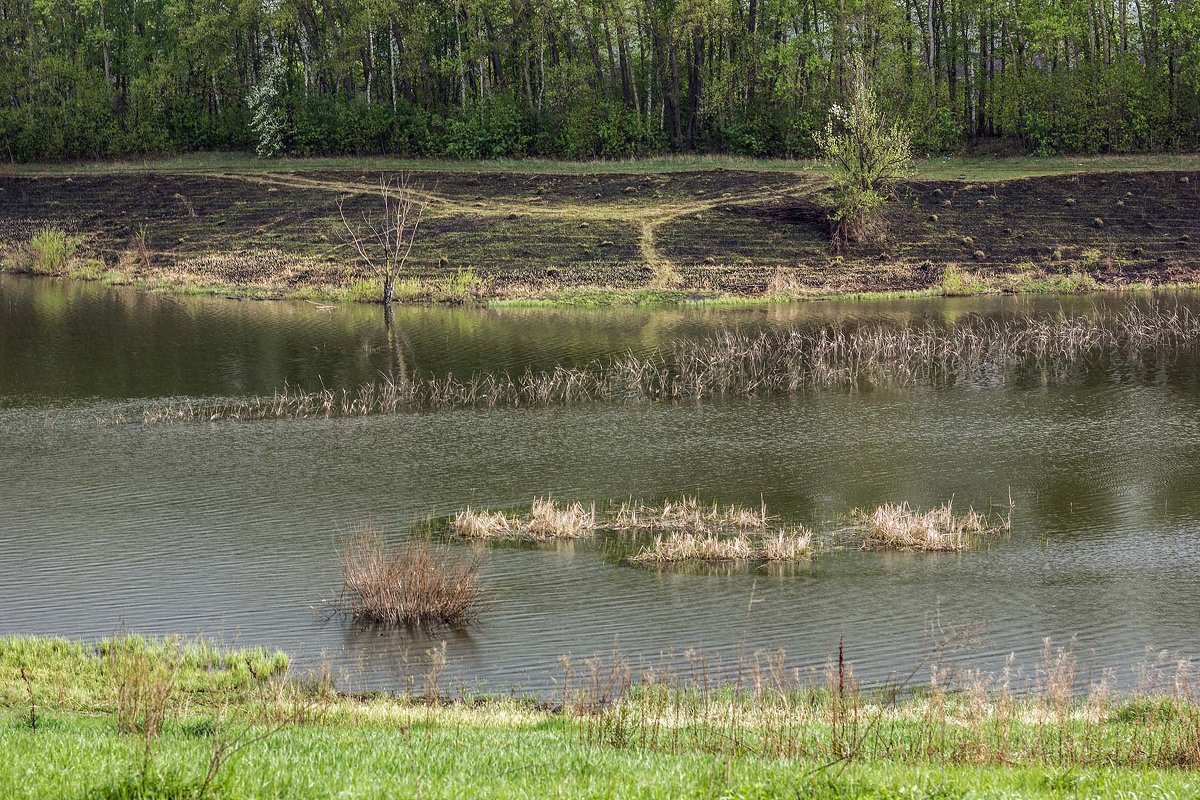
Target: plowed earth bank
[{"x": 508, "y": 235}]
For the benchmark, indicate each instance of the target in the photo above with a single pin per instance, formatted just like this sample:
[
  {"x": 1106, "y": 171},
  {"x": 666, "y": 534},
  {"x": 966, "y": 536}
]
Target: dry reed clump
[
  {"x": 896, "y": 526},
  {"x": 783, "y": 545},
  {"x": 677, "y": 547},
  {"x": 408, "y": 584},
  {"x": 732, "y": 362},
  {"x": 688, "y": 515},
  {"x": 482, "y": 524},
  {"x": 546, "y": 520},
  {"x": 791, "y": 544}
]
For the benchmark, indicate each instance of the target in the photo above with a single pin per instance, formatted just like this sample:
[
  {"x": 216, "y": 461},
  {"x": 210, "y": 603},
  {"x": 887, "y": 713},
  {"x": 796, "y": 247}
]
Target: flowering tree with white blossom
[{"x": 868, "y": 153}]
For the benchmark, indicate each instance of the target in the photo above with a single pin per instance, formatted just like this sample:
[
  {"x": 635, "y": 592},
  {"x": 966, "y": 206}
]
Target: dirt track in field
[{"x": 718, "y": 230}]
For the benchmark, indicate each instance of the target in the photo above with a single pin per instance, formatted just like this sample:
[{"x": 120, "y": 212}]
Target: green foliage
[
  {"x": 957, "y": 283},
  {"x": 590, "y": 79},
  {"x": 51, "y": 251},
  {"x": 267, "y": 120},
  {"x": 867, "y": 152}
]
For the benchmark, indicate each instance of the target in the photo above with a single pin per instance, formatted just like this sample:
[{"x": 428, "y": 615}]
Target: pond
[{"x": 231, "y": 529}]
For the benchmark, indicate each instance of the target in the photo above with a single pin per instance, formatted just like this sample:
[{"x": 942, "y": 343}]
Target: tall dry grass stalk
[
  {"x": 774, "y": 709},
  {"x": 143, "y": 676},
  {"x": 896, "y": 526},
  {"x": 975, "y": 349},
  {"x": 409, "y": 584}
]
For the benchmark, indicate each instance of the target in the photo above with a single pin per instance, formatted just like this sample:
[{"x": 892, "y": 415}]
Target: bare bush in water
[
  {"x": 732, "y": 362},
  {"x": 408, "y": 584}
]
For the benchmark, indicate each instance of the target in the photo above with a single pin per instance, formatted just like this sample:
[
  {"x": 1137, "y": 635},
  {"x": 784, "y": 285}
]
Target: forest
[{"x": 580, "y": 79}]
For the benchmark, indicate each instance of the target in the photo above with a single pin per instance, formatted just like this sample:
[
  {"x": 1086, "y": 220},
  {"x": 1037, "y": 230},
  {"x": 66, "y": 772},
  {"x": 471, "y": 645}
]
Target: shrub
[
  {"x": 411, "y": 584},
  {"x": 957, "y": 283},
  {"x": 868, "y": 154},
  {"x": 50, "y": 251}
]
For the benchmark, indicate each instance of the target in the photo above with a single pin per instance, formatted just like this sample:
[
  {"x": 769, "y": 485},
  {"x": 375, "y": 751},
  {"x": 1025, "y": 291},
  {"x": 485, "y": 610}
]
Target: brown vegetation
[
  {"x": 896, "y": 526},
  {"x": 732, "y": 362},
  {"x": 409, "y": 584},
  {"x": 792, "y": 544},
  {"x": 688, "y": 514},
  {"x": 547, "y": 520}
]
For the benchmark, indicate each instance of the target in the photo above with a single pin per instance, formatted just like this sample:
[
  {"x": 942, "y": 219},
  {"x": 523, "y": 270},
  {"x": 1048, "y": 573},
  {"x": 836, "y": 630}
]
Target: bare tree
[{"x": 384, "y": 240}]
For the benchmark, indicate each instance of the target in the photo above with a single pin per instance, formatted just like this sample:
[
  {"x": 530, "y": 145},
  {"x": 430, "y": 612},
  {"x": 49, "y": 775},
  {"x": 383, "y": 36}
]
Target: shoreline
[
  {"x": 695, "y": 235},
  {"x": 600, "y": 297},
  {"x": 136, "y": 717}
]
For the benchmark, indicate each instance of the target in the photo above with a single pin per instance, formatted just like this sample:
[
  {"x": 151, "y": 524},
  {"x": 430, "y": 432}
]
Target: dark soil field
[{"x": 510, "y": 235}]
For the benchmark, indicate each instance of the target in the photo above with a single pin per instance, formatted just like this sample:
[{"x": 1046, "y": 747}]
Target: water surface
[{"x": 230, "y": 529}]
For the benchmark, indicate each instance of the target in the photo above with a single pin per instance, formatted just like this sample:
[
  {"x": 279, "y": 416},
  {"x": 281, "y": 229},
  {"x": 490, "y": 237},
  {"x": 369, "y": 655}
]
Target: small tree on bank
[
  {"x": 384, "y": 238},
  {"x": 868, "y": 153}
]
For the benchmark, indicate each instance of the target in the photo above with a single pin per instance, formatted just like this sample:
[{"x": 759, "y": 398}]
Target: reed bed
[
  {"x": 896, "y": 526},
  {"x": 409, "y": 584},
  {"x": 473, "y": 523},
  {"x": 775, "y": 708},
  {"x": 688, "y": 514},
  {"x": 547, "y": 520},
  {"x": 734, "y": 362},
  {"x": 783, "y": 545},
  {"x": 788, "y": 544}
]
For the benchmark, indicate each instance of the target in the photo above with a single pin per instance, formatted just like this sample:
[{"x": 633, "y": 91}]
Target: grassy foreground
[{"x": 94, "y": 722}]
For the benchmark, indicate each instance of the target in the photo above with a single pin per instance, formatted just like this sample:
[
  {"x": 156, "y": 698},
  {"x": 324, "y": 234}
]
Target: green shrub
[
  {"x": 956, "y": 283},
  {"x": 868, "y": 154},
  {"x": 92, "y": 269},
  {"x": 464, "y": 286},
  {"x": 50, "y": 251}
]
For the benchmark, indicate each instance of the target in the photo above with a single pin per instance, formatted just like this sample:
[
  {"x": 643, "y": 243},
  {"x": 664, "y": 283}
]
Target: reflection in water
[{"x": 231, "y": 529}]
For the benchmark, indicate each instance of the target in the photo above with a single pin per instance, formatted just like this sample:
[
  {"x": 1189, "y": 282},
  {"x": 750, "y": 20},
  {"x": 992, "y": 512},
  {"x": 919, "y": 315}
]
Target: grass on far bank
[
  {"x": 612, "y": 736},
  {"x": 958, "y": 167}
]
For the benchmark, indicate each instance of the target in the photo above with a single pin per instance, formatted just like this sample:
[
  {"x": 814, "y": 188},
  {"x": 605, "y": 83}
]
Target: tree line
[{"x": 589, "y": 78}]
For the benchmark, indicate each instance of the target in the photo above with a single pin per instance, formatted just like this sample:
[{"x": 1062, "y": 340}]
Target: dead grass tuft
[
  {"x": 688, "y": 514},
  {"x": 788, "y": 544},
  {"x": 546, "y": 520},
  {"x": 896, "y": 526},
  {"x": 482, "y": 524},
  {"x": 791, "y": 544}
]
